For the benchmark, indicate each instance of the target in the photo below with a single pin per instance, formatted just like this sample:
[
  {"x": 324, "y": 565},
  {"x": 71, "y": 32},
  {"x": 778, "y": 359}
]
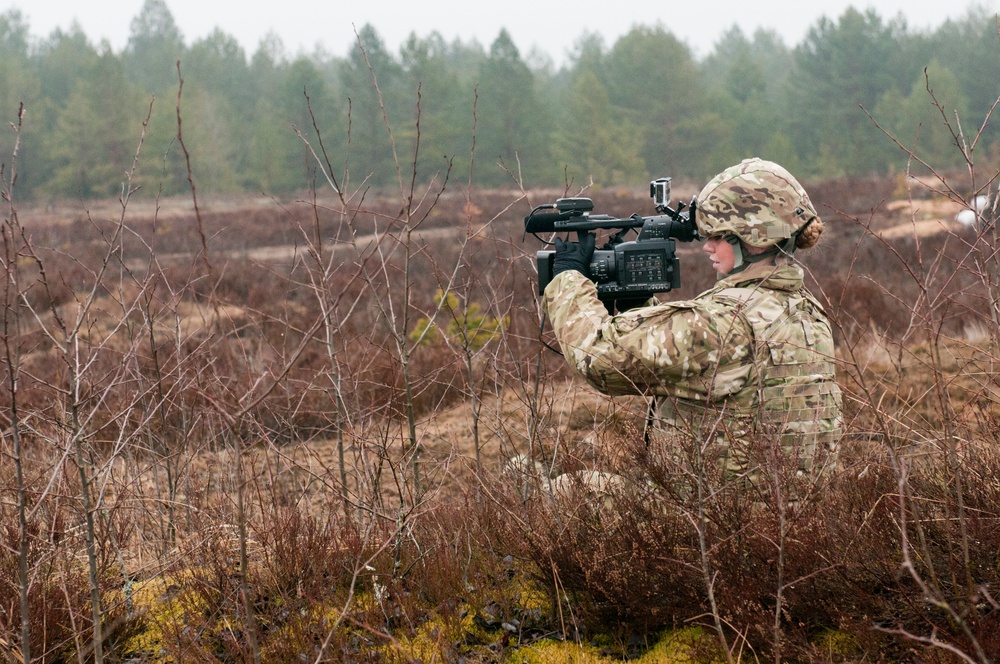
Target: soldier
[{"x": 750, "y": 359}]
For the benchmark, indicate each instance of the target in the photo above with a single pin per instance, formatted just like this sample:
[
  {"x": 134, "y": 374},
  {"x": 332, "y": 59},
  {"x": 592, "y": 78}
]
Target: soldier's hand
[{"x": 574, "y": 255}]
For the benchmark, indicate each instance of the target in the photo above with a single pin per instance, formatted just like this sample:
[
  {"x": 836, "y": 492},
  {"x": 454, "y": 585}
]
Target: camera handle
[{"x": 616, "y": 239}]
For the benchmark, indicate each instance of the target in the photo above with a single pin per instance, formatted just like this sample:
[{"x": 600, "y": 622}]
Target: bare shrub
[{"x": 222, "y": 429}]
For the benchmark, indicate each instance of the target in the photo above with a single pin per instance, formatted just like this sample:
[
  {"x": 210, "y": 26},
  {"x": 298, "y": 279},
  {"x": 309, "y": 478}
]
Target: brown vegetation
[{"x": 221, "y": 439}]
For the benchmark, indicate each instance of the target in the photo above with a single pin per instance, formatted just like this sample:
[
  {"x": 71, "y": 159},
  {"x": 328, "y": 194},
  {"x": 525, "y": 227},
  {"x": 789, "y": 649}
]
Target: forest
[{"x": 616, "y": 114}]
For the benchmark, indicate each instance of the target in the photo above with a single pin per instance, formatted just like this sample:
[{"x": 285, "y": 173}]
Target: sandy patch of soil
[{"x": 921, "y": 218}]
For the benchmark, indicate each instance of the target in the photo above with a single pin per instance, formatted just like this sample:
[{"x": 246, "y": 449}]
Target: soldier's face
[{"x": 721, "y": 254}]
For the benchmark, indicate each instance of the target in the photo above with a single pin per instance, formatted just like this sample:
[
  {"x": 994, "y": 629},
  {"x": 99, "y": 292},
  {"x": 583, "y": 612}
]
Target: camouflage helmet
[{"x": 757, "y": 201}]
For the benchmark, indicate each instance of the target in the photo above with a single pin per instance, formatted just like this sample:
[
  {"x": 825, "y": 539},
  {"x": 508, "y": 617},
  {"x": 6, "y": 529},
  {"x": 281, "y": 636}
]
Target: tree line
[{"x": 614, "y": 115}]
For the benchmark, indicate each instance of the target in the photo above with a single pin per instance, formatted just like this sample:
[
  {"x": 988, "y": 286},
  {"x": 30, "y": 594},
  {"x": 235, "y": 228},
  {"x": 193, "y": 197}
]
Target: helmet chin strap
[
  {"x": 745, "y": 260},
  {"x": 738, "y": 265}
]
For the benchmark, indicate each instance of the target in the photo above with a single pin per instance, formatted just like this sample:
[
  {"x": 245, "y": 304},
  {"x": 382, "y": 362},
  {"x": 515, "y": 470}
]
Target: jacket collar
[{"x": 767, "y": 275}]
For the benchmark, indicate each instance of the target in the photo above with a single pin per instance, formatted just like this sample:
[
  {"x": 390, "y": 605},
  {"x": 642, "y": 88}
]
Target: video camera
[{"x": 623, "y": 270}]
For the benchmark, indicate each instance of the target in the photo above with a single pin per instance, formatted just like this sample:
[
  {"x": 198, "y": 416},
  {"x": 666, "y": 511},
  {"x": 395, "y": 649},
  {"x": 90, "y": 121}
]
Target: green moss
[
  {"x": 434, "y": 639},
  {"x": 535, "y": 599},
  {"x": 159, "y": 601},
  {"x": 683, "y": 646},
  {"x": 169, "y": 607},
  {"x": 553, "y": 652},
  {"x": 837, "y": 645}
]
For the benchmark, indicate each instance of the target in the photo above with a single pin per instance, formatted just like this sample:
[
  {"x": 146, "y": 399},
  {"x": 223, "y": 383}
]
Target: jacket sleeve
[{"x": 697, "y": 349}]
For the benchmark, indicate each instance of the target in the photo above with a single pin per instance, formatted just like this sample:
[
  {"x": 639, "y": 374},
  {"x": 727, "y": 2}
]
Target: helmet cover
[{"x": 758, "y": 201}]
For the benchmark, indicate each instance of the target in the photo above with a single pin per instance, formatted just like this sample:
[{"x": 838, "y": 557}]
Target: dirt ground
[{"x": 921, "y": 218}]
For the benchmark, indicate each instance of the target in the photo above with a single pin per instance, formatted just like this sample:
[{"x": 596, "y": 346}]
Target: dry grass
[{"x": 218, "y": 439}]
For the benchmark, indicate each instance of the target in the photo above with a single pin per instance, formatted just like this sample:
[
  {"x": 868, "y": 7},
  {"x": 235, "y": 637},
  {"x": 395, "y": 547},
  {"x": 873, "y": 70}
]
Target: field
[{"x": 325, "y": 429}]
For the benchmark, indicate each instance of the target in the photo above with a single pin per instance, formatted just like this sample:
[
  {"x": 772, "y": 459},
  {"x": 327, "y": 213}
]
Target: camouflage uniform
[{"x": 752, "y": 356}]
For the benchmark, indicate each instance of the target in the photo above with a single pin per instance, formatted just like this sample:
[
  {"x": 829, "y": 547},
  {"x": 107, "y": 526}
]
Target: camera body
[
  {"x": 622, "y": 270},
  {"x": 634, "y": 270}
]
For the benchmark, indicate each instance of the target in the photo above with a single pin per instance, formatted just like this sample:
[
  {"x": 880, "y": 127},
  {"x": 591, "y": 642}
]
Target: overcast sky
[{"x": 552, "y": 27}]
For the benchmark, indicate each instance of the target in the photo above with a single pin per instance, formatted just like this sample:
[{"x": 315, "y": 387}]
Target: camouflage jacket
[{"x": 752, "y": 355}]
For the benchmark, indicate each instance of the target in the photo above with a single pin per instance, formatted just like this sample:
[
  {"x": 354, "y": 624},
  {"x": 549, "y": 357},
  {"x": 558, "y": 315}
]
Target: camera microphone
[
  {"x": 544, "y": 222},
  {"x": 565, "y": 209}
]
